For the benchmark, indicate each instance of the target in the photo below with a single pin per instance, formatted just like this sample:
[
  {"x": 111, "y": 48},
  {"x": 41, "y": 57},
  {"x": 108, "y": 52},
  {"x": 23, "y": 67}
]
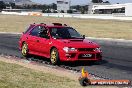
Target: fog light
[{"x": 70, "y": 55}]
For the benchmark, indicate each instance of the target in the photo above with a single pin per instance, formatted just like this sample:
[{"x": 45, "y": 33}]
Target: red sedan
[{"x": 59, "y": 43}]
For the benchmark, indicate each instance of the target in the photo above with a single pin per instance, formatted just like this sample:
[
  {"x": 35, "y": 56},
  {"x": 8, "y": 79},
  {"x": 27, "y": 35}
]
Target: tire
[
  {"x": 54, "y": 57},
  {"x": 24, "y": 50}
]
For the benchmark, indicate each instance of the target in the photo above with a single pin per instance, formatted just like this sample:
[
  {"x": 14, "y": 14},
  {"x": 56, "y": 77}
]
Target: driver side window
[
  {"x": 35, "y": 31},
  {"x": 40, "y": 31},
  {"x": 43, "y": 32}
]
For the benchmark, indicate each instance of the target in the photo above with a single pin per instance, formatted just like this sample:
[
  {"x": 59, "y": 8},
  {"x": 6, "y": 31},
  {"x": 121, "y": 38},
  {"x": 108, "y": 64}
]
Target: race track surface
[{"x": 116, "y": 64}]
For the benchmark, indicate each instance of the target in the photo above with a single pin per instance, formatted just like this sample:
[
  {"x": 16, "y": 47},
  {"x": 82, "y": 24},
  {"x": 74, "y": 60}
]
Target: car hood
[{"x": 78, "y": 43}]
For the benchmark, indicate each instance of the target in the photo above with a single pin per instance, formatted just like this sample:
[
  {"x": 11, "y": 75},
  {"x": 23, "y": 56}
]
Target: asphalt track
[{"x": 116, "y": 64}]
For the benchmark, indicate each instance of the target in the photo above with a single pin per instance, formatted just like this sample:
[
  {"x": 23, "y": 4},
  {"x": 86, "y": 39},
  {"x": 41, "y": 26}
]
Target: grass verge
[
  {"x": 89, "y": 27},
  {"x": 16, "y": 76}
]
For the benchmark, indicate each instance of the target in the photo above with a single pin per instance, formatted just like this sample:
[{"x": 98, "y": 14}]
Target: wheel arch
[
  {"x": 52, "y": 48},
  {"x": 22, "y": 44}
]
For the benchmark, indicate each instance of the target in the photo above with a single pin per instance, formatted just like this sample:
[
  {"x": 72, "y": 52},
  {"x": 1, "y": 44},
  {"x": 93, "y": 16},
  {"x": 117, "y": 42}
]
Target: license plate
[{"x": 87, "y": 55}]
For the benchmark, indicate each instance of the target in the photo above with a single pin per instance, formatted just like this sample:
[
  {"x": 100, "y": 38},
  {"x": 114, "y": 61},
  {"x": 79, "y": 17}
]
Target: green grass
[
  {"x": 89, "y": 27},
  {"x": 16, "y": 76}
]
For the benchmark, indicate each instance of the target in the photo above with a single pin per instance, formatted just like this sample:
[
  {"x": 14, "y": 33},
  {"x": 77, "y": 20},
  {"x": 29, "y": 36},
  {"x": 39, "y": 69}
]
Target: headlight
[
  {"x": 97, "y": 49},
  {"x": 67, "y": 49}
]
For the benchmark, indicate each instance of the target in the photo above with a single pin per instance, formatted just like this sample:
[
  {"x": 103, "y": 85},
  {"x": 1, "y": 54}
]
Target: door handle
[{"x": 37, "y": 40}]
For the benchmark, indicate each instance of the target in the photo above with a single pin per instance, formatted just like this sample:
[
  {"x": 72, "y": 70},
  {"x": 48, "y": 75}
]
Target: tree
[
  {"x": 54, "y": 6},
  {"x": 77, "y": 7},
  {"x": 12, "y": 5},
  {"x": 69, "y": 11},
  {"x": 62, "y": 11},
  {"x": 2, "y": 5},
  {"x": 106, "y": 2},
  {"x": 97, "y": 1},
  {"x": 82, "y": 10}
]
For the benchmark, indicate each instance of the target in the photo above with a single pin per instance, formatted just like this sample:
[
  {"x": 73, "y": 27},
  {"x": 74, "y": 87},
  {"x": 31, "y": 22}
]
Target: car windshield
[{"x": 65, "y": 33}]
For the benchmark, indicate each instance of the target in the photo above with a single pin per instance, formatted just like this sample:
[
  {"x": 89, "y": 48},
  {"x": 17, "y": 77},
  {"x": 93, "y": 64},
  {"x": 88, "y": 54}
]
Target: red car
[{"x": 59, "y": 43}]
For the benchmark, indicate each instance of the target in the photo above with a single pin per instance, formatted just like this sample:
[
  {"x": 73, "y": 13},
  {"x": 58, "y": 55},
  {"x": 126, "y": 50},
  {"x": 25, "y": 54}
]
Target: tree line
[{"x": 48, "y": 8}]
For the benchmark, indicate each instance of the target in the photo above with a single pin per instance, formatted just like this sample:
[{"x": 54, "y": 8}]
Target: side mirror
[{"x": 83, "y": 36}]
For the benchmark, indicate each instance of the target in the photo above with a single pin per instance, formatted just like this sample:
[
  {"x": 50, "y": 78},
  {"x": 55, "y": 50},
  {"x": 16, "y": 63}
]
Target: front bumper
[{"x": 78, "y": 56}]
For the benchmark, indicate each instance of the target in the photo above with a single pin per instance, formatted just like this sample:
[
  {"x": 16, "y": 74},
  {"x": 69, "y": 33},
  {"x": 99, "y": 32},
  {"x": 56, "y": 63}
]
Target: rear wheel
[
  {"x": 54, "y": 56},
  {"x": 25, "y": 50}
]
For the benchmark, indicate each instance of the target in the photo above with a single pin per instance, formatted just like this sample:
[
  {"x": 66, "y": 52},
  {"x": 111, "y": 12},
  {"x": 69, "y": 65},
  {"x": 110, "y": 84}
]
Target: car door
[
  {"x": 44, "y": 41},
  {"x": 33, "y": 39}
]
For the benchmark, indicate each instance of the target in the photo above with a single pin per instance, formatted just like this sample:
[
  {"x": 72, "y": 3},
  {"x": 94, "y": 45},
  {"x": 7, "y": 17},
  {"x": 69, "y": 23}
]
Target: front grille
[
  {"x": 81, "y": 56},
  {"x": 86, "y": 49}
]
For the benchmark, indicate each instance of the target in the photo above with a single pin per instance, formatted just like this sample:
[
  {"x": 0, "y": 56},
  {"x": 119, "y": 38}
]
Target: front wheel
[
  {"x": 25, "y": 50},
  {"x": 54, "y": 56}
]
